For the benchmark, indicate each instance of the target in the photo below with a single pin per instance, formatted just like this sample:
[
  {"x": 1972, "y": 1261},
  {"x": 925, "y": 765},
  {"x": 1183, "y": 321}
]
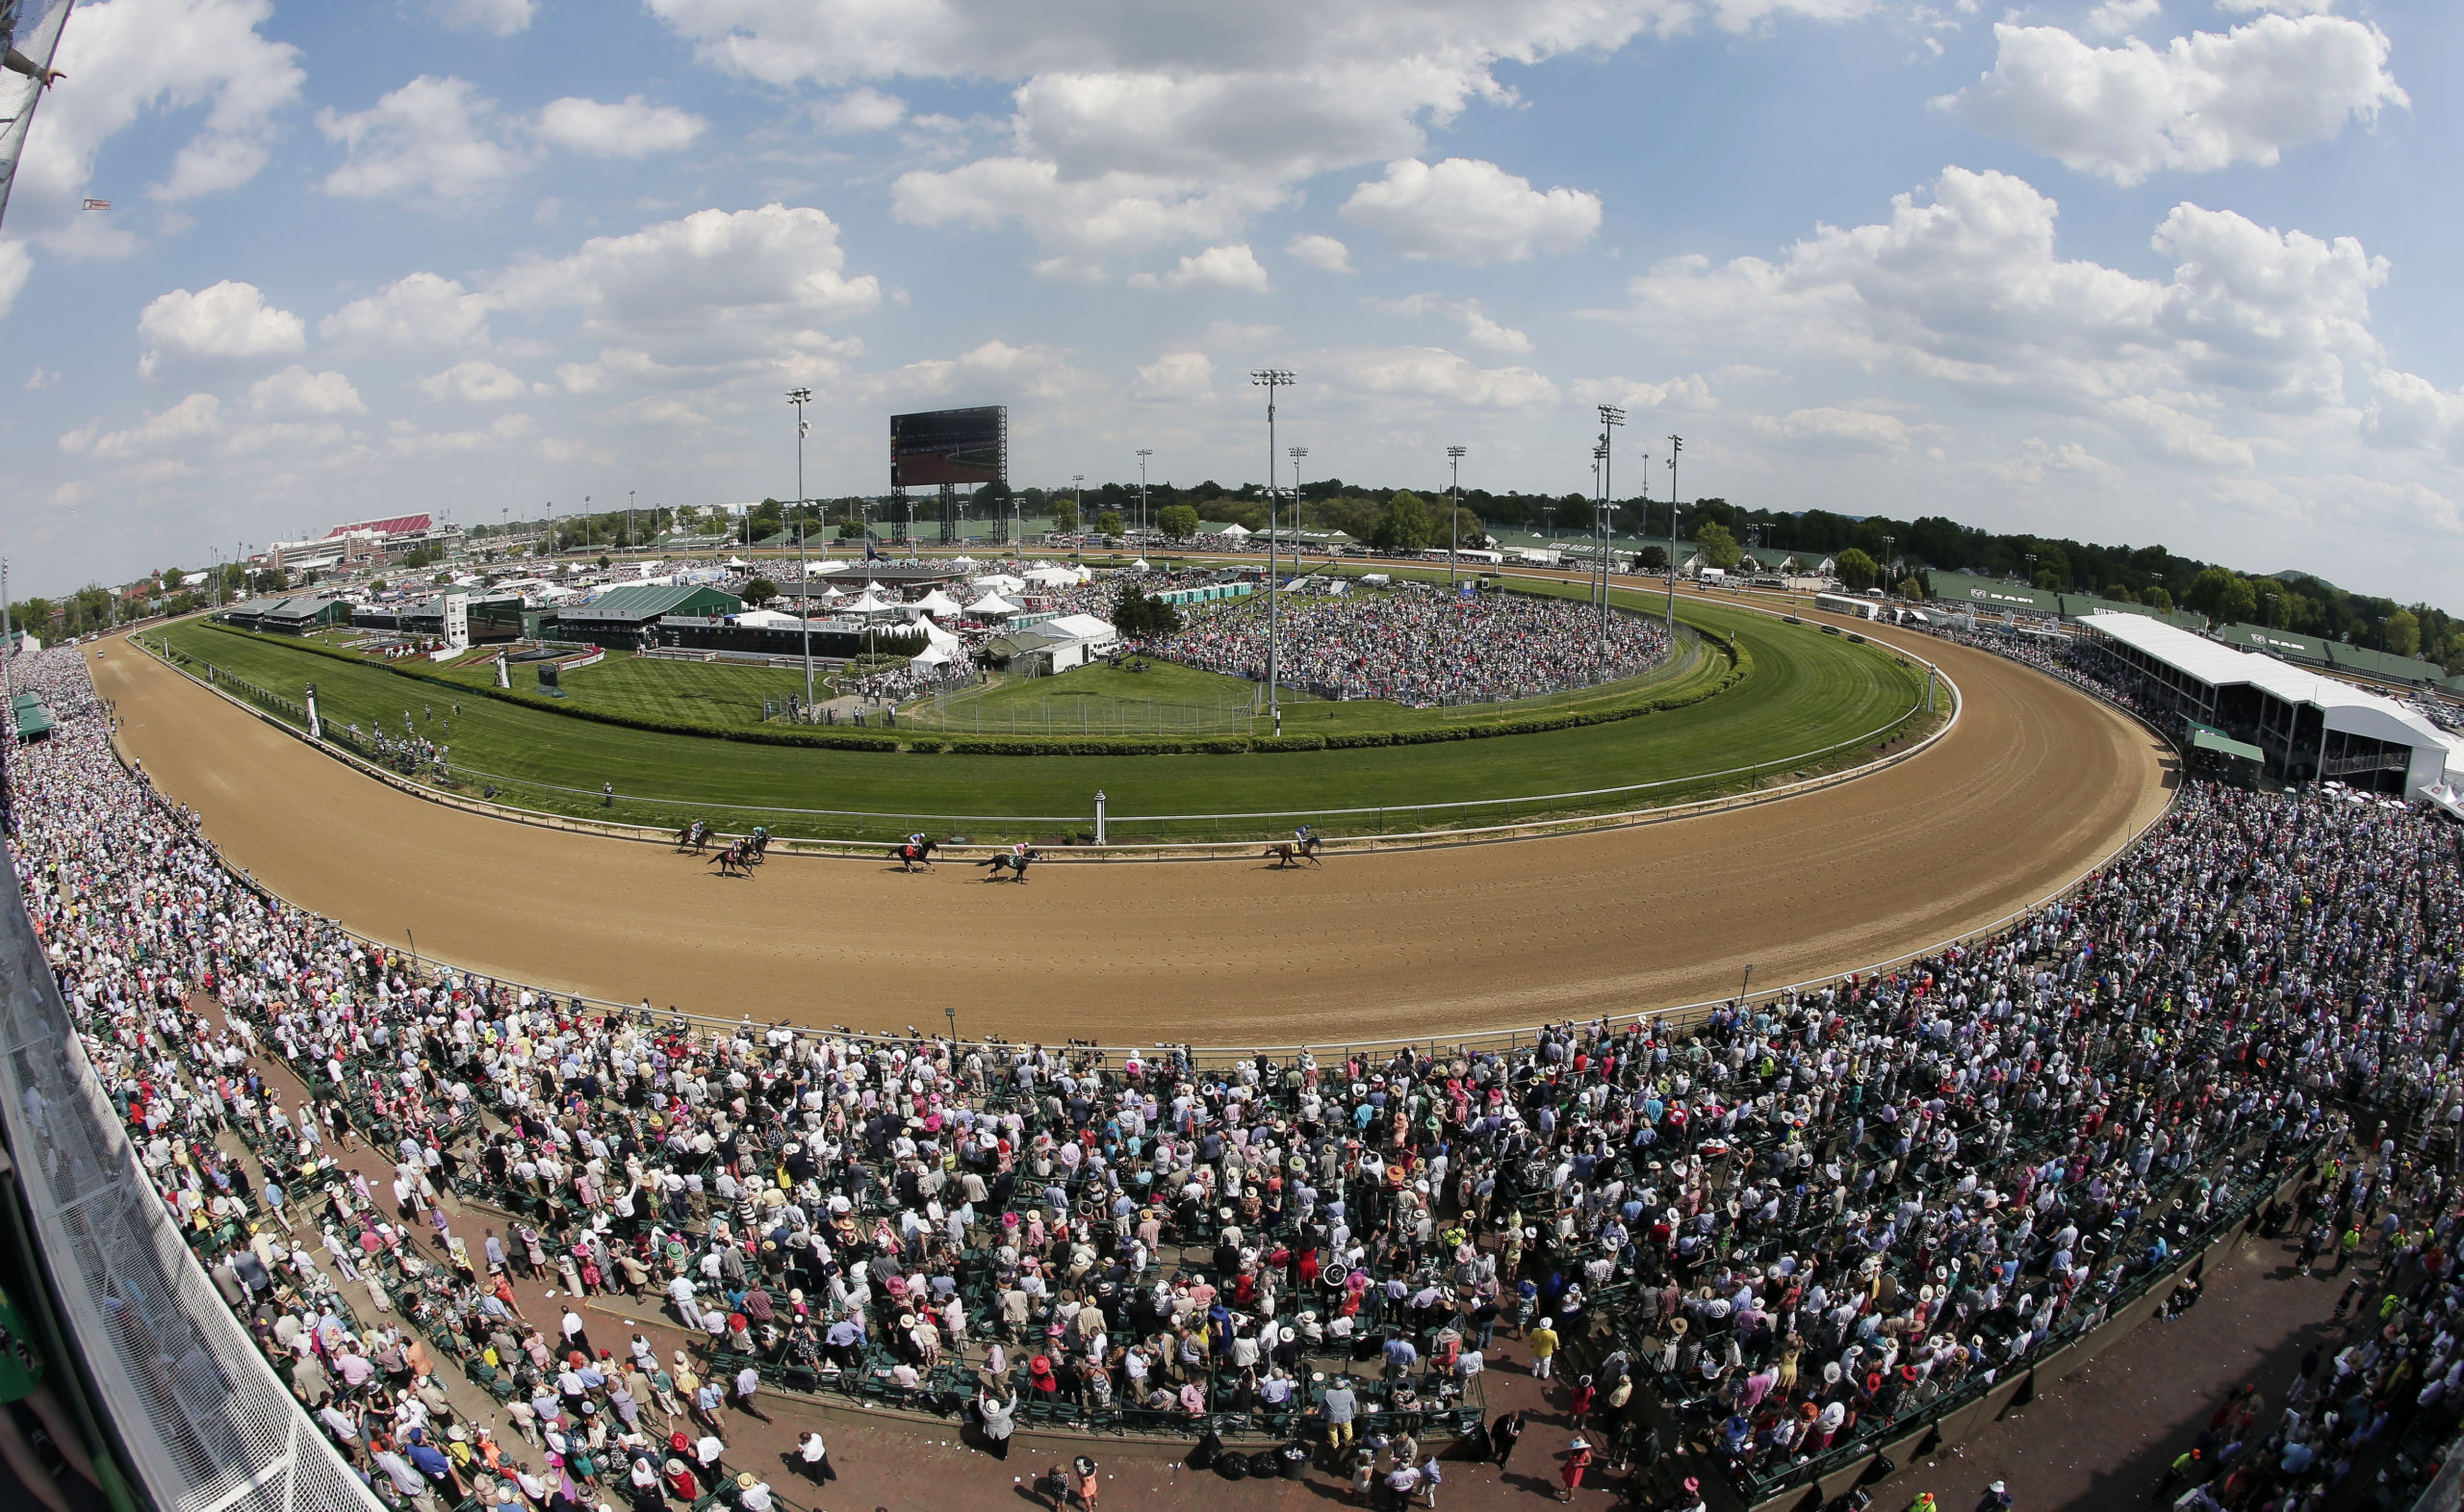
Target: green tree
[
  {"x": 1719, "y": 548},
  {"x": 2160, "y": 600},
  {"x": 1064, "y": 516},
  {"x": 1857, "y": 570},
  {"x": 2451, "y": 655},
  {"x": 1402, "y": 525},
  {"x": 1352, "y": 515},
  {"x": 604, "y": 562},
  {"x": 1911, "y": 588},
  {"x": 2404, "y": 633},
  {"x": 2047, "y": 580},
  {"x": 1652, "y": 559},
  {"x": 2237, "y": 601},
  {"x": 1108, "y": 522},
  {"x": 1178, "y": 520},
  {"x": 2119, "y": 593},
  {"x": 853, "y": 529},
  {"x": 760, "y": 591}
]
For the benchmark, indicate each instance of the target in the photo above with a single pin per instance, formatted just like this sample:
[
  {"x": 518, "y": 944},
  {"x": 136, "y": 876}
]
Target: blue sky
[{"x": 2173, "y": 270}]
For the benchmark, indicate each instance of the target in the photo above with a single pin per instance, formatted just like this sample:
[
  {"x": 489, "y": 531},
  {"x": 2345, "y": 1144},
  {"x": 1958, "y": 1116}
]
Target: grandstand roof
[
  {"x": 2345, "y": 708},
  {"x": 653, "y": 600},
  {"x": 391, "y": 525},
  {"x": 1993, "y": 594}
]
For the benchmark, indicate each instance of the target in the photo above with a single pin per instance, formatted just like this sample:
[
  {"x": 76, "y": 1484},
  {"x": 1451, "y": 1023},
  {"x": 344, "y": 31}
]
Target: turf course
[
  {"x": 1805, "y": 692},
  {"x": 691, "y": 692}
]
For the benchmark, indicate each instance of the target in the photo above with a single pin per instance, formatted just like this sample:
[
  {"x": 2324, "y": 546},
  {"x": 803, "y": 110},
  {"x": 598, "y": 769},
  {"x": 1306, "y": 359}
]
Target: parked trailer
[{"x": 1842, "y": 603}]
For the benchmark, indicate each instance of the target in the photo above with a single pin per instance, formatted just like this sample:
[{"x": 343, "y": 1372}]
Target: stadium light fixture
[
  {"x": 1610, "y": 418},
  {"x": 1676, "y": 445},
  {"x": 799, "y": 398},
  {"x": 1143, "y": 452},
  {"x": 1271, "y": 379},
  {"x": 1297, "y": 453},
  {"x": 1455, "y": 512}
]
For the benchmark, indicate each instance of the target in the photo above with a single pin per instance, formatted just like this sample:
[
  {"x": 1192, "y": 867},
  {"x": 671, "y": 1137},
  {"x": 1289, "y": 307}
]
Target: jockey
[
  {"x": 1301, "y": 835},
  {"x": 916, "y": 839},
  {"x": 1019, "y": 850}
]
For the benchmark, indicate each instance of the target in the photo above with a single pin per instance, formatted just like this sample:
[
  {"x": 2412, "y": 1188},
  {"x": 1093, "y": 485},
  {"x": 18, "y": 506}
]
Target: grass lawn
[
  {"x": 695, "y": 692},
  {"x": 1808, "y": 691}
]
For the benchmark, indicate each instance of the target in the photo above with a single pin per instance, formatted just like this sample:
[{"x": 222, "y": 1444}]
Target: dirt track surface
[{"x": 2035, "y": 786}]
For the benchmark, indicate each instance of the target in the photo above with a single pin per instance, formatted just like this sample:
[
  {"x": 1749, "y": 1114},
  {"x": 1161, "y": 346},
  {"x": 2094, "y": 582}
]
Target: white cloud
[
  {"x": 1036, "y": 373},
  {"x": 1828, "y": 431},
  {"x": 196, "y": 418},
  {"x": 861, "y": 111},
  {"x": 42, "y": 378},
  {"x": 226, "y": 320},
  {"x": 2039, "y": 460},
  {"x": 1469, "y": 210},
  {"x": 434, "y": 138},
  {"x": 474, "y": 382},
  {"x": 296, "y": 391},
  {"x": 2205, "y": 102},
  {"x": 1490, "y": 335},
  {"x": 1322, "y": 252},
  {"x": 419, "y": 311},
  {"x": 1434, "y": 373},
  {"x": 632, "y": 128},
  {"x": 2281, "y": 7},
  {"x": 1176, "y": 376},
  {"x": 1135, "y": 129},
  {"x": 407, "y": 440},
  {"x": 2121, "y": 17},
  {"x": 496, "y": 18},
  {"x": 1690, "y": 395},
  {"x": 2275, "y": 314},
  {"x": 16, "y": 266},
  {"x": 2409, "y": 411},
  {"x": 2174, "y": 435},
  {"x": 1233, "y": 267},
  {"x": 716, "y": 282},
  {"x": 129, "y": 59}
]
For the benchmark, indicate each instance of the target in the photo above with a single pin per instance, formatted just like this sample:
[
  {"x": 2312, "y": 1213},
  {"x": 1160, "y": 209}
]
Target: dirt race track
[{"x": 2035, "y": 785}]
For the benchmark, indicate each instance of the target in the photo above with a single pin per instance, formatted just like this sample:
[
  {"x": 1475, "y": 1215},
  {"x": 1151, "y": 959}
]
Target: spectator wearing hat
[
  {"x": 1543, "y": 1340},
  {"x": 1000, "y": 1419},
  {"x": 1570, "y": 1475},
  {"x": 1338, "y": 1407}
]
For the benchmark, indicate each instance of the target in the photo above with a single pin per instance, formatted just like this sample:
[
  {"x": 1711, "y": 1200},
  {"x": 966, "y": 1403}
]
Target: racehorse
[
  {"x": 1286, "y": 853},
  {"x": 694, "y": 837},
  {"x": 1013, "y": 863},
  {"x": 732, "y": 861},
  {"x": 914, "y": 853},
  {"x": 756, "y": 845}
]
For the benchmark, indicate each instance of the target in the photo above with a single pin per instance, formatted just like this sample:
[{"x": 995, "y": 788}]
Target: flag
[{"x": 871, "y": 553}]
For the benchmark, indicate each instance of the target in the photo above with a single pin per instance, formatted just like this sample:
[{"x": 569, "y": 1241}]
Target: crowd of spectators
[
  {"x": 1797, "y": 1224},
  {"x": 1414, "y": 644}
]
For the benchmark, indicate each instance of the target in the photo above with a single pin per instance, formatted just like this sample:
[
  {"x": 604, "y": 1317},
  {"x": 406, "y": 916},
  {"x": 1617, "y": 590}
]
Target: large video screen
[{"x": 950, "y": 445}]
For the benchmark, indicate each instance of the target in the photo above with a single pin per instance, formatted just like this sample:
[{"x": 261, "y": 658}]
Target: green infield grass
[{"x": 1805, "y": 696}]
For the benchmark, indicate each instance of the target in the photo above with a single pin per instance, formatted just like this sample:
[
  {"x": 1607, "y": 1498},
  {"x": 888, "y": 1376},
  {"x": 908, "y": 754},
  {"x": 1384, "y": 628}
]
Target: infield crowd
[{"x": 1796, "y": 1225}]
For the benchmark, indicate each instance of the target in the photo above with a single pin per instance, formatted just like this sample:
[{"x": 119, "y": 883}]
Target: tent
[
  {"x": 1232, "y": 532},
  {"x": 937, "y": 602},
  {"x": 870, "y": 602},
  {"x": 1053, "y": 578},
  {"x": 931, "y": 656},
  {"x": 992, "y": 606},
  {"x": 738, "y": 561},
  {"x": 998, "y": 583},
  {"x": 935, "y": 636},
  {"x": 766, "y": 618}
]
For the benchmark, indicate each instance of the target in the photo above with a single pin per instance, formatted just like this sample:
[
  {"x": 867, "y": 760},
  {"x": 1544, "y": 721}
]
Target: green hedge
[{"x": 1741, "y": 667}]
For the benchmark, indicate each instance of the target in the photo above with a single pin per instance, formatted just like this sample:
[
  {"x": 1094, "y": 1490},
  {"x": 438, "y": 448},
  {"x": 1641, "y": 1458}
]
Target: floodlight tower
[
  {"x": 1455, "y": 511},
  {"x": 799, "y": 398},
  {"x": 1143, "y": 452},
  {"x": 1078, "y": 538},
  {"x": 1676, "y": 445},
  {"x": 1610, "y": 418},
  {"x": 1297, "y": 453},
  {"x": 1271, "y": 379}
]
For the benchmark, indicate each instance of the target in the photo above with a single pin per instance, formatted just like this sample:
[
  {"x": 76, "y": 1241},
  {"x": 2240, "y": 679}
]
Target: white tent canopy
[
  {"x": 738, "y": 561},
  {"x": 998, "y": 583},
  {"x": 931, "y": 656},
  {"x": 935, "y": 636},
  {"x": 992, "y": 606},
  {"x": 870, "y": 602},
  {"x": 937, "y": 602},
  {"x": 1053, "y": 576},
  {"x": 1234, "y": 533}
]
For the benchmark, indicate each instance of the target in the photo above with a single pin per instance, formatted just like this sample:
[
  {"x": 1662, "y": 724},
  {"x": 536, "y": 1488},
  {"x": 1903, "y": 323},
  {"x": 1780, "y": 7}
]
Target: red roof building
[{"x": 398, "y": 524}]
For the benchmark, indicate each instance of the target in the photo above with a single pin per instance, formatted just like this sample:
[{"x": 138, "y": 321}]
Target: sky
[{"x": 2176, "y": 271}]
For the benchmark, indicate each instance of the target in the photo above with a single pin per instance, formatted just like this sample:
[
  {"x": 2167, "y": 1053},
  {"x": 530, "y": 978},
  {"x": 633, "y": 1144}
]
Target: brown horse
[
  {"x": 1285, "y": 852},
  {"x": 912, "y": 856},
  {"x": 1014, "y": 862}
]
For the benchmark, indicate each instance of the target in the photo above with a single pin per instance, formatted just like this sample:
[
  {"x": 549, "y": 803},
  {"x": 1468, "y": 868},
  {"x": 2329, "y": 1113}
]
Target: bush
[{"x": 1289, "y": 743}]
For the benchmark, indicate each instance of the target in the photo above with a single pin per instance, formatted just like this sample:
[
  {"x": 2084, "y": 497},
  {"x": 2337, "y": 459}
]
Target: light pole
[
  {"x": 1298, "y": 452},
  {"x": 1271, "y": 379},
  {"x": 631, "y": 531},
  {"x": 799, "y": 398},
  {"x": 1610, "y": 418},
  {"x": 1078, "y": 537},
  {"x": 1143, "y": 452},
  {"x": 1455, "y": 514},
  {"x": 1890, "y": 575},
  {"x": 1676, "y": 445}
]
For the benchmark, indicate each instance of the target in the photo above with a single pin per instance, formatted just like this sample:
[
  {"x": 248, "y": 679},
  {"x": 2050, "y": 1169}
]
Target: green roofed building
[
  {"x": 293, "y": 615},
  {"x": 2287, "y": 644},
  {"x": 2384, "y": 665},
  {"x": 1991, "y": 593},
  {"x": 34, "y": 719},
  {"x": 628, "y": 616},
  {"x": 2079, "y": 605}
]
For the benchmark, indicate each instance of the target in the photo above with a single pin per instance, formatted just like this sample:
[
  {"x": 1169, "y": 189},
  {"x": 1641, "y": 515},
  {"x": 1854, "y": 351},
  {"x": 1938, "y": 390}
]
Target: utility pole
[
  {"x": 1610, "y": 418},
  {"x": 1078, "y": 537},
  {"x": 1271, "y": 379},
  {"x": 1455, "y": 514},
  {"x": 1143, "y": 452},
  {"x": 633, "y": 533},
  {"x": 799, "y": 398},
  {"x": 1676, "y": 445}
]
